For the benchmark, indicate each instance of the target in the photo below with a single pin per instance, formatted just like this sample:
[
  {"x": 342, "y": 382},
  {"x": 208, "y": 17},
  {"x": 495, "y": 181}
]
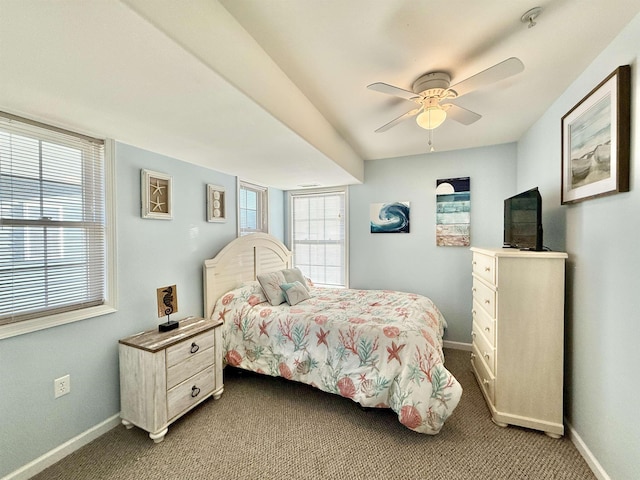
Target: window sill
[{"x": 28, "y": 326}]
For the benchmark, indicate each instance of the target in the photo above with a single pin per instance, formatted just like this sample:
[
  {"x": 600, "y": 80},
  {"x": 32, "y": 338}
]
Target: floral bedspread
[{"x": 378, "y": 348}]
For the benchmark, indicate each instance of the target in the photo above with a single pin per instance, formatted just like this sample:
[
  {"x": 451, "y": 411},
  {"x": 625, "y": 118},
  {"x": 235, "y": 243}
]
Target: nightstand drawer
[
  {"x": 486, "y": 324},
  {"x": 189, "y": 392},
  {"x": 183, "y": 350},
  {"x": 485, "y": 297},
  {"x": 181, "y": 371},
  {"x": 485, "y": 267},
  {"x": 165, "y": 374}
]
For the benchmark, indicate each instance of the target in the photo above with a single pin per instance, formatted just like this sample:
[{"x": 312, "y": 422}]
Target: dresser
[
  {"x": 518, "y": 336},
  {"x": 163, "y": 375}
]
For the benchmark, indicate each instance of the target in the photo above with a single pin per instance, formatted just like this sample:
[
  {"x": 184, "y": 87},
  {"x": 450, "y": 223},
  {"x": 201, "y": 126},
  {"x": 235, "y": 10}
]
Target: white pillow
[
  {"x": 295, "y": 275},
  {"x": 270, "y": 283},
  {"x": 294, "y": 293}
]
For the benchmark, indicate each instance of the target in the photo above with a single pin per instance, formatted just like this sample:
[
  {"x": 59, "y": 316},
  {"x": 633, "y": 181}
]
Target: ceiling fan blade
[
  {"x": 509, "y": 67},
  {"x": 396, "y": 121},
  {"x": 391, "y": 90},
  {"x": 461, "y": 115}
]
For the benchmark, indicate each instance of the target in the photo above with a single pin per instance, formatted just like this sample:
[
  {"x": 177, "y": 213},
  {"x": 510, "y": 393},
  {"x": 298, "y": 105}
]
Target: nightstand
[{"x": 163, "y": 375}]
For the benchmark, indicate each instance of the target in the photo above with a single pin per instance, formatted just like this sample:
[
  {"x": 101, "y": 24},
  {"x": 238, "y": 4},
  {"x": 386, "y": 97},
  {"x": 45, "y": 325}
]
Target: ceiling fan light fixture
[{"x": 431, "y": 117}]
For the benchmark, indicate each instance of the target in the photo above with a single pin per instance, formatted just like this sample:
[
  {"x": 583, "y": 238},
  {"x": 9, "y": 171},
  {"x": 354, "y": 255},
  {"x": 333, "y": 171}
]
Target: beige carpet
[{"x": 267, "y": 428}]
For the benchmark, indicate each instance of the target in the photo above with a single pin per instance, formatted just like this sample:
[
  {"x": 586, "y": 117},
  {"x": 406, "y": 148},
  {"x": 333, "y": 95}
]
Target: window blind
[
  {"x": 52, "y": 220},
  {"x": 318, "y": 236}
]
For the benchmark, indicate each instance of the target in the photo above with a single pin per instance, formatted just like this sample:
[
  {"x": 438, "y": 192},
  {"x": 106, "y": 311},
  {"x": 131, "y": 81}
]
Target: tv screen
[{"x": 523, "y": 221}]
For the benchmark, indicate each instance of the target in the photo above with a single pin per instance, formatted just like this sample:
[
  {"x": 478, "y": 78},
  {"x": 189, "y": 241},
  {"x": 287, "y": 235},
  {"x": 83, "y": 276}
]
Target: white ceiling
[{"x": 274, "y": 91}]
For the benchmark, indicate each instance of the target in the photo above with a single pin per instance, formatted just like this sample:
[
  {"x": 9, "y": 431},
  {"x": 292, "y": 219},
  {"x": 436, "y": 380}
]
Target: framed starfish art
[{"x": 156, "y": 195}]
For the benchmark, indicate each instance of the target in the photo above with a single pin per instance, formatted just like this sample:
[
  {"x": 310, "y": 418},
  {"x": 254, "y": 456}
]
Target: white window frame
[
  {"x": 111, "y": 300},
  {"x": 319, "y": 191},
  {"x": 263, "y": 207}
]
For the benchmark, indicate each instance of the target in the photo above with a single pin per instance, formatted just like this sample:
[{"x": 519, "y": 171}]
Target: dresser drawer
[
  {"x": 485, "y": 267},
  {"x": 190, "y": 366},
  {"x": 486, "y": 324},
  {"x": 183, "y": 350},
  {"x": 485, "y": 297},
  {"x": 484, "y": 348},
  {"x": 190, "y": 392},
  {"x": 485, "y": 378}
]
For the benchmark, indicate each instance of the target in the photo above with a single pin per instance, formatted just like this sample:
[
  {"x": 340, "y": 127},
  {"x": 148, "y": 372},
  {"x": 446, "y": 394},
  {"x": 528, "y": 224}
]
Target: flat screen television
[{"x": 523, "y": 221}]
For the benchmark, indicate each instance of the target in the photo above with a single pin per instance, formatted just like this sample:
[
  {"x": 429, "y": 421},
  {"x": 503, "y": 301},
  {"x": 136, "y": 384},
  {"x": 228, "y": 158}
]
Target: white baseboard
[
  {"x": 39, "y": 464},
  {"x": 58, "y": 453},
  {"x": 577, "y": 441},
  {"x": 457, "y": 345},
  {"x": 591, "y": 460}
]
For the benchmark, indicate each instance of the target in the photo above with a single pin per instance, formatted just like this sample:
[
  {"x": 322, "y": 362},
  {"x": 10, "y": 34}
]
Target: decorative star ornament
[
  {"x": 157, "y": 204},
  {"x": 157, "y": 188}
]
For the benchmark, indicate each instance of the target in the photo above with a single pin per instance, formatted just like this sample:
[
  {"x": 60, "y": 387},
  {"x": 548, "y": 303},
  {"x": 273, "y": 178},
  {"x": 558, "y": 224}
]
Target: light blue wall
[
  {"x": 603, "y": 277},
  {"x": 151, "y": 254},
  {"x": 412, "y": 262},
  {"x": 276, "y": 213}
]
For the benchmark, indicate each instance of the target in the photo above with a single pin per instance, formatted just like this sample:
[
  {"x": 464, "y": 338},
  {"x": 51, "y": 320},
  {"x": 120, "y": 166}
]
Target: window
[
  {"x": 318, "y": 229},
  {"x": 53, "y": 227},
  {"x": 253, "y": 203}
]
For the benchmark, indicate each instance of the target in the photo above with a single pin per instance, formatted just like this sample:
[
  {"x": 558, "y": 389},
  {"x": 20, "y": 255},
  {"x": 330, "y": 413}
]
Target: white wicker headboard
[{"x": 241, "y": 261}]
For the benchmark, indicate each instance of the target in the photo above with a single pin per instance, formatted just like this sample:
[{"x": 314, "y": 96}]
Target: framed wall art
[
  {"x": 596, "y": 141},
  {"x": 216, "y": 203},
  {"x": 389, "y": 217},
  {"x": 453, "y": 212},
  {"x": 156, "y": 195}
]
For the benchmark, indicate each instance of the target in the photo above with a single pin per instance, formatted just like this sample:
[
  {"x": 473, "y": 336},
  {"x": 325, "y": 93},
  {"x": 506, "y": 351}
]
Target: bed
[{"x": 379, "y": 348}]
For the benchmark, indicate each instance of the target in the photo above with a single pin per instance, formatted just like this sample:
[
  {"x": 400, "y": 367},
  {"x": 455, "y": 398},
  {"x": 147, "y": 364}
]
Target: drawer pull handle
[
  {"x": 194, "y": 347},
  {"x": 487, "y": 329},
  {"x": 474, "y": 263},
  {"x": 487, "y": 302},
  {"x": 485, "y": 381},
  {"x": 473, "y": 312},
  {"x": 473, "y": 289},
  {"x": 487, "y": 269},
  {"x": 473, "y": 356},
  {"x": 486, "y": 355},
  {"x": 195, "y": 391},
  {"x": 473, "y": 334}
]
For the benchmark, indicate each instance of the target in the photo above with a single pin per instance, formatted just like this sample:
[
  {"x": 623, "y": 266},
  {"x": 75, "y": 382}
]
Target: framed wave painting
[
  {"x": 453, "y": 212},
  {"x": 390, "y": 217}
]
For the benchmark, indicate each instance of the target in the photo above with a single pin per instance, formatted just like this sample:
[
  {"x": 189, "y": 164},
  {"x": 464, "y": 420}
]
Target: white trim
[
  {"x": 52, "y": 456},
  {"x": 263, "y": 205},
  {"x": 320, "y": 191},
  {"x": 588, "y": 456},
  {"x": 28, "y": 326},
  {"x": 111, "y": 236},
  {"x": 457, "y": 345}
]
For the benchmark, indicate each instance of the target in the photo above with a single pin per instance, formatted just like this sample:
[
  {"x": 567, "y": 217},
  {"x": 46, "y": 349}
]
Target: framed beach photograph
[
  {"x": 156, "y": 195},
  {"x": 216, "y": 203},
  {"x": 596, "y": 141}
]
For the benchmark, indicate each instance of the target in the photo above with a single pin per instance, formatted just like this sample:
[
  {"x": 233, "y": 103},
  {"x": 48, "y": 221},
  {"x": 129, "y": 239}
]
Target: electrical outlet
[{"x": 62, "y": 386}]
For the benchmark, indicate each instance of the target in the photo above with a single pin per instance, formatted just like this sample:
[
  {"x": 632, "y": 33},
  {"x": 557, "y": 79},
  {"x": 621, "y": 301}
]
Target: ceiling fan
[{"x": 432, "y": 89}]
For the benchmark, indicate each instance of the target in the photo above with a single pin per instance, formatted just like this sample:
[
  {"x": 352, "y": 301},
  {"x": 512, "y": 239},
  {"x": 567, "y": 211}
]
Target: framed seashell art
[
  {"x": 156, "y": 195},
  {"x": 216, "y": 203}
]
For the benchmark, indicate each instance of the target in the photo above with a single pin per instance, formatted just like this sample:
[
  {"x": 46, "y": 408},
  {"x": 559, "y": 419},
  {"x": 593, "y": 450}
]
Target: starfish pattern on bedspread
[{"x": 379, "y": 348}]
